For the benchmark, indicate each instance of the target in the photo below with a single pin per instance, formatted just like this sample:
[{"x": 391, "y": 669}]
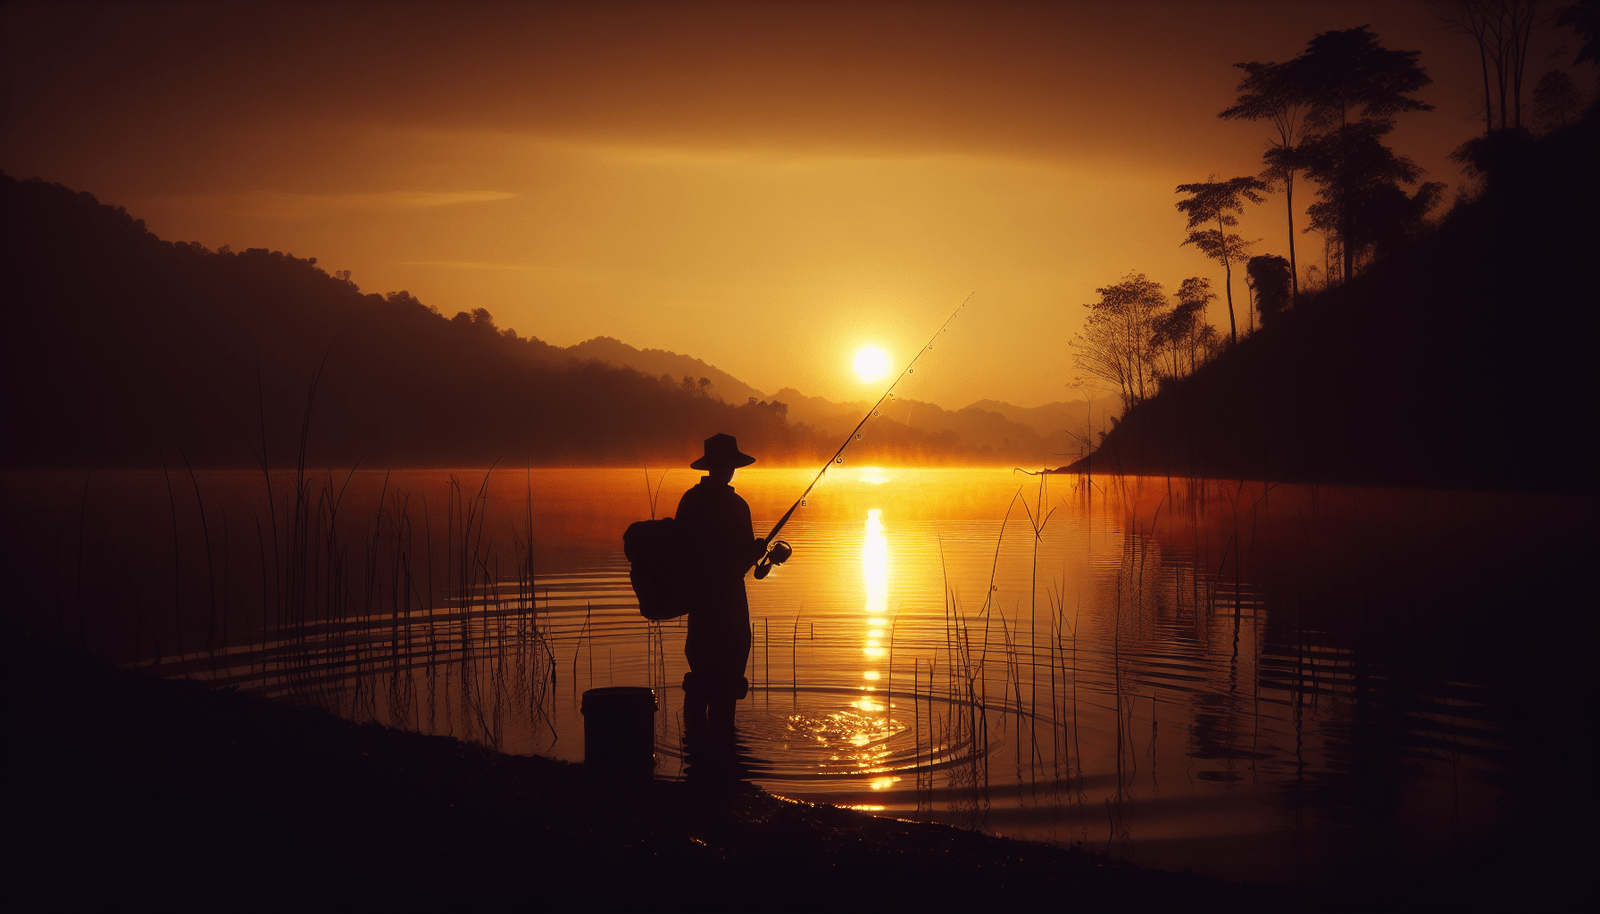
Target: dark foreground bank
[{"x": 124, "y": 791}]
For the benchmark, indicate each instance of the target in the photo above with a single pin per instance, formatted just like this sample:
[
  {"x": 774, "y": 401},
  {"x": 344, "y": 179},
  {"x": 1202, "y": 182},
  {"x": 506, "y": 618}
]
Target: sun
[{"x": 872, "y": 364}]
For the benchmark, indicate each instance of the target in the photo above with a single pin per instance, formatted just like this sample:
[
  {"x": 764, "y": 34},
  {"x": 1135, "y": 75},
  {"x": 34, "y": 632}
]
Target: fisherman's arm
[
  {"x": 758, "y": 551},
  {"x": 758, "y": 546}
]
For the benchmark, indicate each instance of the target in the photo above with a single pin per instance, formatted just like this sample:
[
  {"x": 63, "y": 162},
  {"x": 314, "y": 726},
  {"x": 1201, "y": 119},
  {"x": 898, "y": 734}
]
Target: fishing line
[{"x": 779, "y": 552}]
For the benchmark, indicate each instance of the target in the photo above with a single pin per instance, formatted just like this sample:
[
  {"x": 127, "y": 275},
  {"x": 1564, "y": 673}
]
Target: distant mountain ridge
[
  {"x": 1050, "y": 430},
  {"x": 837, "y": 417},
  {"x": 122, "y": 349},
  {"x": 661, "y": 362},
  {"x": 1086, "y": 416},
  {"x": 822, "y": 414}
]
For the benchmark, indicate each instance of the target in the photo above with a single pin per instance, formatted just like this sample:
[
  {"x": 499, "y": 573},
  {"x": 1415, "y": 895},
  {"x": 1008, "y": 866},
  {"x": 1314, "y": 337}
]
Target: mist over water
[{"x": 1274, "y": 682}]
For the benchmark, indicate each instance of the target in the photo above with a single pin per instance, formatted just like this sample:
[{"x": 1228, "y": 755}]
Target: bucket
[{"x": 619, "y": 729}]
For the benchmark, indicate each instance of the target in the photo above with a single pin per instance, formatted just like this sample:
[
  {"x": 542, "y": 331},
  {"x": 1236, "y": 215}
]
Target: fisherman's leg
[
  {"x": 731, "y": 688},
  {"x": 696, "y": 698},
  {"x": 696, "y": 682},
  {"x": 718, "y": 648},
  {"x": 726, "y": 686}
]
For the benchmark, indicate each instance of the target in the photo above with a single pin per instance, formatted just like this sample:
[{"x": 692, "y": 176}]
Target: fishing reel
[{"x": 778, "y": 553}]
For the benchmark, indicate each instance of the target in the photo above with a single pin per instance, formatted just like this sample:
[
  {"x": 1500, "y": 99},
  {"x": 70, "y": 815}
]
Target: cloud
[
  {"x": 468, "y": 265},
  {"x": 284, "y": 205}
]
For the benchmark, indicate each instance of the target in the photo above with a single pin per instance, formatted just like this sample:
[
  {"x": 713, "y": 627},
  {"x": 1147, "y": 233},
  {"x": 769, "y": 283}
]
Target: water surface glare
[{"x": 1274, "y": 682}]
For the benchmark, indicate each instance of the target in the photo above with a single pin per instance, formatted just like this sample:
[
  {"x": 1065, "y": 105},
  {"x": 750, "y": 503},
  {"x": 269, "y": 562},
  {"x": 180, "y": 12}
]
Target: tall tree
[
  {"x": 1271, "y": 92},
  {"x": 1220, "y": 202},
  {"x": 1118, "y": 340},
  {"x": 1354, "y": 87},
  {"x": 1348, "y": 72},
  {"x": 1501, "y": 29}
]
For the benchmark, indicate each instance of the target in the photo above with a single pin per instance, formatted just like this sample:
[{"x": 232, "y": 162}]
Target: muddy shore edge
[{"x": 125, "y": 791}]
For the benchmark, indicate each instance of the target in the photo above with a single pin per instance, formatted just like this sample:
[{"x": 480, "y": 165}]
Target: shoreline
[{"x": 127, "y": 791}]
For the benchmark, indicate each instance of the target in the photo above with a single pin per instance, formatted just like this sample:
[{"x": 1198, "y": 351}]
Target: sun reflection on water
[
  {"x": 858, "y": 735},
  {"x": 874, "y": 476},
  {"x": 875, "y": 567}
]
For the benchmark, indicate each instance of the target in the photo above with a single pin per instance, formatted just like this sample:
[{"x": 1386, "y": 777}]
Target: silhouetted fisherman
[{"x": 716, "y": 524}]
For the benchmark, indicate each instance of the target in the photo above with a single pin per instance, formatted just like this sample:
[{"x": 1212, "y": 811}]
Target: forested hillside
[
  {"x": 1463, "y": 359},
  {"x": 122, "y": 349}
]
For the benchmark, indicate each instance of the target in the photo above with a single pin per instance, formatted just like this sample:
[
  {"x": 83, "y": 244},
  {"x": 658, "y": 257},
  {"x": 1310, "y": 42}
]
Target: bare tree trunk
[
  {"x": 1347, "y": 251},
  {"x": 1500, "y": 78},
  {"x": 1514, "y": 72},
  {"x": 1227, "y": 273},
  {"x": 1488, "y": 100},
  {"x": 1294, "y": 271},
  {"x": 1521, "y": 31},
  {"x": 1516, "y": 85}
]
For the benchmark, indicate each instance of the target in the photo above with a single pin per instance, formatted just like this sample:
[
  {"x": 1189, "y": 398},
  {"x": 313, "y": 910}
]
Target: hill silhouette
[
  {"x": 986, "y": 430},
  {"x": 1050, "y": 418},
  {"x": 1459, "y": 361},
  {"x": 670, "y": 366},
  {"x": 122, "y": 349},
  {"x": 995, "y": 430}
]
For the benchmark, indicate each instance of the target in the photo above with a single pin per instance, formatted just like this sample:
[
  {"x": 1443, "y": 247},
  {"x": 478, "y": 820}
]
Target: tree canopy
[
  {"x": 1118, "y": 342},
  {"x": 1183, "y": 339},
  {"x": 1220, "y": 202},
  {"x": 1351, "y": 87},
  {"x": 1273, "y": 92},
  {"x": 1348, "y": 72},
  {"x": 1361, "y": 202}
]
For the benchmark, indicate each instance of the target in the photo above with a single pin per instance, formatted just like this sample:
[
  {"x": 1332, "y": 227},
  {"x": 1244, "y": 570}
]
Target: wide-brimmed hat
[{"x": 722, "y": 451}]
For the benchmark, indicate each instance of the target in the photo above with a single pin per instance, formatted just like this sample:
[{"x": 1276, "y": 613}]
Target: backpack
[{"x": 660, "y": 575}]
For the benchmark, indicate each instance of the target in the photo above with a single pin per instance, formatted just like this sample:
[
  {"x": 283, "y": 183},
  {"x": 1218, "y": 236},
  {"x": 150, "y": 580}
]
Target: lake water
[{"x": 1291, "y": 683}]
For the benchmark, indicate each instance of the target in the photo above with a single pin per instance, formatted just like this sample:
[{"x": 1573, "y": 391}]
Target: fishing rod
[{"x": 778, "y": 552}]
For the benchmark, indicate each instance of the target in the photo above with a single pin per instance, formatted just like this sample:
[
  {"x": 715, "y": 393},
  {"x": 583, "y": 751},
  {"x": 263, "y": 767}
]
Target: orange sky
[{"x": 764, "y": 186}]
